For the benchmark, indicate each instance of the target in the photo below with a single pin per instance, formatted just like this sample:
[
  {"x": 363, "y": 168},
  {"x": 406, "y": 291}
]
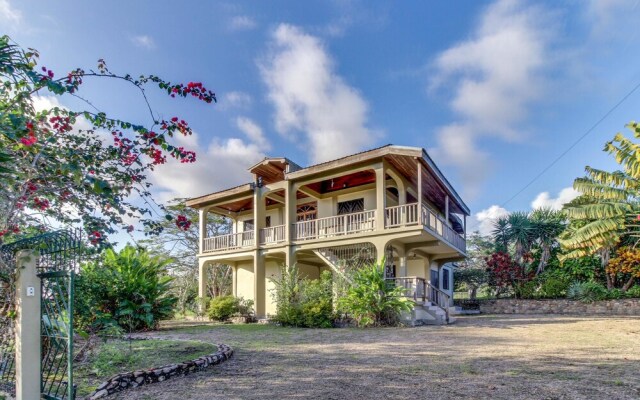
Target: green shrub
[
  {"x": 129, "y": 289},
  {"x": 303, "y": 302},
  {"x": 222, "y": 308},
  {"x": 634, "y": 291},
  {"x": 371, "y": 300},
  {"x": 587, "y": 292}
]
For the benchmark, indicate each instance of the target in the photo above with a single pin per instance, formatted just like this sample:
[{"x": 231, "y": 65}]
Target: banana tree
[{"x": 608, "y": 209}]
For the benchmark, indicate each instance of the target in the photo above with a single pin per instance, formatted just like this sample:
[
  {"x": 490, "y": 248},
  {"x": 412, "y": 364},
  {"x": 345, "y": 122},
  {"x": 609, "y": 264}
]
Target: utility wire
[{"x": 564, "y": 153}]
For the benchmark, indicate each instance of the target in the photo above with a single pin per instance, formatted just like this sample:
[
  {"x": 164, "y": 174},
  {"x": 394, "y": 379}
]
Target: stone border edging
[{"x": 127, "y": 380}]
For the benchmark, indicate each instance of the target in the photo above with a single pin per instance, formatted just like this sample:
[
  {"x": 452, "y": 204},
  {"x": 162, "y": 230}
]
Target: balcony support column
[
  {"x": 419, "y": 178},
  {"x": 290, "y": 207},
  {"x": 202, "y": 284},
  {"x": 202, "y": 225},
  {"x": 259, "y": 284},
  {"x": 381, "y": 196},
  {"x": 259, "y": 214}
]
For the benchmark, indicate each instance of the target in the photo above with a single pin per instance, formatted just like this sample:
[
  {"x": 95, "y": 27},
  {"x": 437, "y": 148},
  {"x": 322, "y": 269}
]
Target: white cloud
[
  {"x": 253, "y": 132},
  {"x": 495, "y": 76},
  {"x": 235, "y": 99},
  {"x": 544, "y": 200},
  {"x": 485, "y": 219},
  {"x": 313, "y": 104},
  {"x": 242, "y": 23},
  {"x": 9, "y": 16},
  {"x": 144, "y": 41},
  {"x": 606, "y": 16},
  {"x": 220, "y": 165}
]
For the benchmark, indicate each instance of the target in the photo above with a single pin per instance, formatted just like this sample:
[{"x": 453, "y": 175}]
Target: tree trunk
[
  {"x": 473, "y": 292},
  {"x": 544, "y": 259},
  {"x": 629, "y": 283},
  {"x": 604, "y": 260}
]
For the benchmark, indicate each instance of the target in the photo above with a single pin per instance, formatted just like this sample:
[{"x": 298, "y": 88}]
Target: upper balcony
[
  {"x": 389, "y": 190},
  {"x": 408, "y": 215}
]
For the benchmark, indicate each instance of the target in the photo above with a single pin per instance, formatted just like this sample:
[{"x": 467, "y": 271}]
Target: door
[{"x": 435, "y": 284}]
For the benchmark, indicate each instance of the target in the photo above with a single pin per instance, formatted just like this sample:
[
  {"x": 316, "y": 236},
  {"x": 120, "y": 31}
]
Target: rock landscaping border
[
  {"x": 134, "y": 379},
  {"x": 560, "y": 306}
]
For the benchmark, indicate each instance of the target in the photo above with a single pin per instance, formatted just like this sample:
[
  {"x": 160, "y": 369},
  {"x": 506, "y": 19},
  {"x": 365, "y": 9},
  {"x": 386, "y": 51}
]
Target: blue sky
[{"x": 495, "y": 91}]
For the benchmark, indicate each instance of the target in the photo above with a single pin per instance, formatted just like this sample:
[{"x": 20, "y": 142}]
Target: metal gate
[{"x": 57, "y": 264}]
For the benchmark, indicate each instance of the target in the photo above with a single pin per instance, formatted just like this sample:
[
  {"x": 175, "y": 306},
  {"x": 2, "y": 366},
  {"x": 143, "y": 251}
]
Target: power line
[{"x": 564, "y": 153}]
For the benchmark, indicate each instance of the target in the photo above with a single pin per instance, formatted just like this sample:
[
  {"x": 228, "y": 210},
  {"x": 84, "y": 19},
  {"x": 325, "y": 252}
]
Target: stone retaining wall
[
  {"x": 560, "y": 306},
  {"x": 133, "y": 379}
]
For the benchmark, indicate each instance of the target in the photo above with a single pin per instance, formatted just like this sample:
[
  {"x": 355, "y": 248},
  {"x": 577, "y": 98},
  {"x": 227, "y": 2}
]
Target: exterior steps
[{"x": 426, "y": 313}]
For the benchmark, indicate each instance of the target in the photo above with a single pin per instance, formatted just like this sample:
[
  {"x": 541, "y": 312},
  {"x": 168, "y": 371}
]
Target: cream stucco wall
[
  {"x": 244, "y": 280},
  {"x": 415, "y": 267},
  {"x": 272, "y": 270}
]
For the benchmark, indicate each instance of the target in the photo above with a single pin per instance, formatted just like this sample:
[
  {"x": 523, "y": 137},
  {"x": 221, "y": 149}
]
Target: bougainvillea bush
[{"x": 80, "y": 167}]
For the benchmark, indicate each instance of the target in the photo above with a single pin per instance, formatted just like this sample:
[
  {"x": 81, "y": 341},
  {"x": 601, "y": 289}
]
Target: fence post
[{"x": 27, "y": 330}]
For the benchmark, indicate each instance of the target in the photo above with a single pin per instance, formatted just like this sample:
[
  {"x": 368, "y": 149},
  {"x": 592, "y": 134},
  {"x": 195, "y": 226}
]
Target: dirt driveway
[{"x": 483, "y": 357}]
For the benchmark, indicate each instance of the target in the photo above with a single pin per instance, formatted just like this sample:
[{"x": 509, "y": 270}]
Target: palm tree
[
  {"x": 519, "y": 232},
  {"x": 546, "y": 226},
  {"x": 500, "y": 234}
]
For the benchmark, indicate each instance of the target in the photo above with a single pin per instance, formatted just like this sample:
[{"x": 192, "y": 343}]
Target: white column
[
  {"x": 381, "y": 197},
  {"x": 259, "y": 284},
  {"x": 202, "y": 283},
  {"x": 446, "y": 209},
  {"x": 419, "y": 177},
  {"x": 202, "y": 220},
  {"x": 27, "y": 345}
]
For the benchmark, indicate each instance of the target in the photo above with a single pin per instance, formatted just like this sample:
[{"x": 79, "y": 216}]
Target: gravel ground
[{"x": 479, "y": 357}]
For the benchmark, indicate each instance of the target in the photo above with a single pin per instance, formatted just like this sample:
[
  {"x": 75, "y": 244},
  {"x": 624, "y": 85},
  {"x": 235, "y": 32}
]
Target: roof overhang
[{"x": 217, "y": 197}]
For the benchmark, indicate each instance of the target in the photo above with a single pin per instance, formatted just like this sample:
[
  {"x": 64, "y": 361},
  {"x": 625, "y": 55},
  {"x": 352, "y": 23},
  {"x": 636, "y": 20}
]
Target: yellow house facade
[{"x": 391, "y": 203}]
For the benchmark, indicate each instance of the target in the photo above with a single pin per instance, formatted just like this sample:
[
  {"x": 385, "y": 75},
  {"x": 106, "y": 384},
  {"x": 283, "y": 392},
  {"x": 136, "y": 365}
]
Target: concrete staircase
[{"x": 426, "y": 313}]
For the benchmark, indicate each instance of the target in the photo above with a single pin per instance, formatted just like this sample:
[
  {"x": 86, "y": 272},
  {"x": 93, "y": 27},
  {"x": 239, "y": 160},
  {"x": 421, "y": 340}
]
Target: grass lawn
[
  {"x": 116, "y": 356},
  {"x": 479, "y": 357}
]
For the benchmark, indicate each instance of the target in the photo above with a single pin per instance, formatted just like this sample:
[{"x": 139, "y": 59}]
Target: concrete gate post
[{"x": 28, "y": 357}]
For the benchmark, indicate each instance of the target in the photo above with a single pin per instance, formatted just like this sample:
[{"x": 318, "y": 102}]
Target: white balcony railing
[
  {"x": 437, "y": 225},
  {"x": 340, "y": 225},
  {"x": 335, "y": 226},
  {"x": 274, "y": 234},
  {"x": 403, "y": 215},
  {"x": 228, "y": 242}
]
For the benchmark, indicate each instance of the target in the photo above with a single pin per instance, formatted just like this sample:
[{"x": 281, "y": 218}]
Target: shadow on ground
[{"x": 496, "y": 357}]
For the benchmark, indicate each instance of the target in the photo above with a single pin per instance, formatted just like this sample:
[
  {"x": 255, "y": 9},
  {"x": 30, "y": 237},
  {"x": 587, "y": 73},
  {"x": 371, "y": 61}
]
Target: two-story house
[{"x": 391, "y": 203}]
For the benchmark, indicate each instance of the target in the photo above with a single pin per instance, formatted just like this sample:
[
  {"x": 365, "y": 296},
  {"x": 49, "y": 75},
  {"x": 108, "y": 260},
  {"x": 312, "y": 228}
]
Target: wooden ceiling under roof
[
  {"x": 431, "y": 187},
  {"x": 344, "y": 182},
  {"x": 270, "y": 170},
  {"x": 244, "y": 204}
]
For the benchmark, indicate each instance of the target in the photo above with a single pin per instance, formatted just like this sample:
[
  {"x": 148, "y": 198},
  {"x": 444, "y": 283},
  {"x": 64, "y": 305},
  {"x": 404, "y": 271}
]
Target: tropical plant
[
  {"x": 587, "y": 292},
  {"x": 303, "y": 302},
  {"x": 372, "y": 300},
  {"x": 505, "y": 275},
  {"x": 546, "y": 225},
  {"x": 625, "y": 264},
  {"x": 607, "y": 210},
  {"x": 129, "y": 288},
  {"x": 61, "y": 166}
]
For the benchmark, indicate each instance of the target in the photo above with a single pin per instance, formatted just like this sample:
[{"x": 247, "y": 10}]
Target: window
[
  {"x": 306, "y": 212},
  {"x": 247, "y": 225},
  {"x": 445, "y": 278},
  {"x": 267, "y": 222},
  {"x": 351, "y": 206}
]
